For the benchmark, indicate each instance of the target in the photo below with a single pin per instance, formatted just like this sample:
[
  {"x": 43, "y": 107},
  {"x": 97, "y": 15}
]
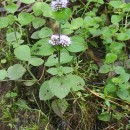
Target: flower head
[
  {"x": 54, "y": 40},
  {"x": 59, "y": 4},
  {"x": 60, "y": 40},
  {"x": 65, "y": 40}
]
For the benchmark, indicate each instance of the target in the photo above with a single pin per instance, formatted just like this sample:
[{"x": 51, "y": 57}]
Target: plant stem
[
  {"x": 34, "y": 78},
  {"x": 58, "y": 58},
  {"x": 59, "y": 48}
]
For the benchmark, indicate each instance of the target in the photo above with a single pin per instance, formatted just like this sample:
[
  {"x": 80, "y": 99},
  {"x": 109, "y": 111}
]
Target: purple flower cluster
[
  {"x": 60, "y": 40},
  {"x": 59, "y": 4}
]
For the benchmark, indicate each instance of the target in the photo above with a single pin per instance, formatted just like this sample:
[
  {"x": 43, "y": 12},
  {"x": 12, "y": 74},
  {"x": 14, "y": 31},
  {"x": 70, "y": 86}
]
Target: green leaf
[
  {"x": 67, "y": 70},
  {"x": 60, "y": 71},
  {"x": 44, "y": 92},
  {"x": 29, "y": 83},
  {"x": 42, "y": 48},
  {"x": 38, "y": 22},
  {"x": 45, "y": 32},
  {"x": 67, "y": 31},
  {"x": 11, "y": 95},
  {"x": 22, "y": 52},
  {"x": 104, "y": 69},
  {"x": 115, "y": 3},
  {"x": 116, "y": 18},
  {"x": 22, "y": 104},
  {"x": 27, "y": 1},
  {"x": 88, "y": 21},
  {"x": 11, "y": 37},
  {"x": 110, "y": 58},
  {"x": 116, "y": 81},
  {"x": 117, "y": 116},
  {"x": 53, "y": 71},
  {"x": 119, "y": 69},
  {"x": 77, "y": 44},
  {"x": 11, "y": 8},
  {"x": 25, "y": 18},
  {"x": 104, "y": 116},
  {"x": 122, "y": 36},
  {"x": 59, "y": 106},
  {"x": 36, "y": 61},
  {"x": 4, "y": 22},
  {"x": 60, "y": 86},
  {"x": 35, "y": 35},
  {"x": 16, "y": 71},
  {"x": 123, "y": 94},
  {"x": 46, "y": 9},
  {"x": 11, "y": 19},
  {"x": 63, "y": 15},
  {"x": 76, "y": 23},
  {"x": 3, "y": 74},
  {"x": 124, "y": 77},
  {"x": 37, "y": 8},
  {"x": 77, "y": 83},
  {"x": 53, "y": 59},
  {"x": 110, "y": 88},
  {"x": 116, "y": 47}
]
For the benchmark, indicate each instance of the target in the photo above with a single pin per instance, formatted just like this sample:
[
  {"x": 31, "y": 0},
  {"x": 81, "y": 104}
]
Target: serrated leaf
[
  {"x": 36, "y": 61},
  {"x": 38, "y": 22},
  {"x": 116, "y": 47},
  {"x": 104, "y": 116},
  {"x": 76, "y": 23},
  {"x": 29, "y": 83},
  {"x": 110, "y": 88},
  {"x": 110, "y": 58},
  {"x": 22, "y": 52},
  {"x": 116, "y": 18},
  {"x": 11, "y": 8},
  {"x": 124, "y": 77},
  {"x": 37, "y": 8},
  {"x": 27, "y": 1},
  {"x": 11, "y": 19},
  {"x": 63, "y": 15},
  {"x": 104, "y": 69},
  {"x": 35, "y": 35},
  {"x": 119, "y": 69},
  {"x": 59, "y": 86},
  {"x": 25, "y": 18},
  {"x": 45, "y": 32},
  {"x": 11, "y": 37},
  {"x": 4, "y": 22},
  {"x": 60, "y": 71},
  {"x": 115, "y": 3},
  {"x": 16, "y": 71},
  {"x": 123, "y": 94},
  {"x": 122, "y": 36},
  {"x": 77, "y": 83},
  {"x": 42, "y": 48},
  {"x": 44, "y": 92},
  {"x": 46, "y": 9},
  {"x": 3, "y": 74},
  {"x": 77, "y": 44},
  {"x": 59, "y": 106},
  {"x": 53, "y": 59}
]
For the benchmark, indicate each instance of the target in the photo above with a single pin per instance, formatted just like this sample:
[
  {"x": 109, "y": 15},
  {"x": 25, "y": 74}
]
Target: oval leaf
[
  {"x": 22, "y": 52},
  {"x": 16, "y": 71},
  {"x": 36, "y": 61},
  {"x": 60, "y": 87},
  {"x": 44, "y": 92}
]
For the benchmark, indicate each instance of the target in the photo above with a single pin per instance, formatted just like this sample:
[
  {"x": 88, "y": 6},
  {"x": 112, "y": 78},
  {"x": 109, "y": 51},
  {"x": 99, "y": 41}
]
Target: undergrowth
[{"x": 64, "y": 65}]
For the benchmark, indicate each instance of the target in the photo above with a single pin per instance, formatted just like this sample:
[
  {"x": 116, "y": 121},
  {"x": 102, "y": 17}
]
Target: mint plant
[
  {"x": 63, "y": 80},
  {"x": 67, "y": 53}
]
